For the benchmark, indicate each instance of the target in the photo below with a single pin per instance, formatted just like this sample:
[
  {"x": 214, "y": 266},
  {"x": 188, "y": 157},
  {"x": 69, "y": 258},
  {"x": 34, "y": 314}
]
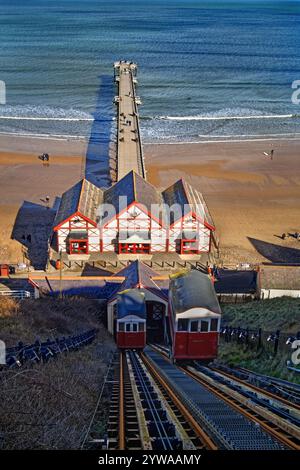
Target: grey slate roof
[
  {"x": 138, "y": 274},
  {"x": 83, "y": 197},
  {"x": 191, "y": 290},
  {"x": 88, "y": 288},
  {"x": 133, "y": 187},
  {"x": 279, "y": 277},
  {"x": 187, "y": 199}
]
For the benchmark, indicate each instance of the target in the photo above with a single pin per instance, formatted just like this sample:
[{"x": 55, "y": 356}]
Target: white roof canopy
[
  {"x": 195, "y": 313},
  {"x": 135, "y": 238},
  {"x": 131, "y": 318}
]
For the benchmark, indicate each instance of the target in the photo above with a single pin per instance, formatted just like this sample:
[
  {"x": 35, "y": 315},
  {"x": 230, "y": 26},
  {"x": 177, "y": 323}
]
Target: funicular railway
[{"x": 158, "y": 405}]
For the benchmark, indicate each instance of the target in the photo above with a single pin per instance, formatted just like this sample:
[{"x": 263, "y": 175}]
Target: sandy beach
[{"x": 252, "y": 198}]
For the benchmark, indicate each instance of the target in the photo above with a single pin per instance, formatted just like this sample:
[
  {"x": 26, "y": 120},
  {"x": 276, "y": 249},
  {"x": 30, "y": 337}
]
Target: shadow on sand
[
  {"x": 34, "y": 222},
  {"x": 32, "y": 228},
  {"x": 99, "y": 165},
  {"x": 91, "y": 271},
  {"x": 276, "y": 253}
]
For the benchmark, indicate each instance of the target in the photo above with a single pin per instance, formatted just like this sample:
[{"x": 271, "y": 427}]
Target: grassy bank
[
  {"x": 270, "y": 315},
  {"x": 49, "y": 406}
]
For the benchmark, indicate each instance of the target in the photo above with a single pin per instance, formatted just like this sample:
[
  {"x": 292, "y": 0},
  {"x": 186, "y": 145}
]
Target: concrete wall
[{"x": 272, "y": 293}]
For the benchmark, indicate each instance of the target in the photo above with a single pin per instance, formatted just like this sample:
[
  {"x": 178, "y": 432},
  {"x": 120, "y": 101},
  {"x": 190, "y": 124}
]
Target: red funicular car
[
  {"x": 131, "y": 319},
  {"x": 195, "y": 315}
]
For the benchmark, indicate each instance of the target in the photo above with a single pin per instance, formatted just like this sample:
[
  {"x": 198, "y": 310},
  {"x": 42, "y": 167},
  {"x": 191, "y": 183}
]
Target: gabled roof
[
  {"x": 135, "y": 189},
  {"x": 90, "y": 287},
  {"x": 186, "y": 199},
  {"x": 193, "y": 290},
  {"x": 84, "y": 198},
  {"x": 137, "y": 274}
]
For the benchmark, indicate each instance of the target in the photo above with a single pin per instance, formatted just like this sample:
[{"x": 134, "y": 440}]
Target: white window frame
[
  {"x": 199, "y": 325},
  {"x": 131, "y": 323}
]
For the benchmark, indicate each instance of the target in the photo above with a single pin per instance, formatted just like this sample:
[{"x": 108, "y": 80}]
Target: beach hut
[
  {"x": 76, "y": 230},
  {"x": 190, "y": 224}
]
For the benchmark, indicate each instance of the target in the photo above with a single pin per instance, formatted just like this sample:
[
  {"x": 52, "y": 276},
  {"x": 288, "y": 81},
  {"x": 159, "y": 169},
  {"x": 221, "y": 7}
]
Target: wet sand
[{"x": 252, "y": 198}]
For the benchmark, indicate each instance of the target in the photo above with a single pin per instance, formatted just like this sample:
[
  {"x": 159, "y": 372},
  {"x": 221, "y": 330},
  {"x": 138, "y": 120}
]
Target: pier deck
[{"x": 129, "y": 147}]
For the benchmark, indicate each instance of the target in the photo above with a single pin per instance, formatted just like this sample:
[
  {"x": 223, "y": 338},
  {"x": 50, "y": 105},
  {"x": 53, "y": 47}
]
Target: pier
[{"x": 129, "y": 146}]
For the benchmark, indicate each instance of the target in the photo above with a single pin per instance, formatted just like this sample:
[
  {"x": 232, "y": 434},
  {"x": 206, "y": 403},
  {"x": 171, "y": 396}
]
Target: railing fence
[{"x": 270, "y": 341}]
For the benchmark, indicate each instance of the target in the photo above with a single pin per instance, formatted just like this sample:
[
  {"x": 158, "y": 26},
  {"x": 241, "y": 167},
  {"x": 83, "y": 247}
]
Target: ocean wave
[
  {"x": 43, "y": 113},
  {"x": 43, "y": 118},
  {"x": 204, "y": 139},
  {"x": 47, "y": 113},
  {"x": 227, "y": 118},
  {"x": 44, "y": 136},
  {"x": 231, "y": 139}
]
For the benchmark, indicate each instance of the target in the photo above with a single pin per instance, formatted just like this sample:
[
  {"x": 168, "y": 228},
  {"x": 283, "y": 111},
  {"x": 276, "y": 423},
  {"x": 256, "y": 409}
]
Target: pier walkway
[{"x": 129, "y": 146}]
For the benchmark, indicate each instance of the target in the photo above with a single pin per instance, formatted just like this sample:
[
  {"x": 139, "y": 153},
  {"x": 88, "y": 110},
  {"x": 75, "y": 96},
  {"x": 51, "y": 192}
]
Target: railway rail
[
  {"x": 144, "y": 414},
  {"x": 280, "y": 387},
  {"x": 276, "y": 415},
  {"x": 285, "y": 392},
  {"x": 157, "y": 405},
  {"x": 276, "y": 418}
]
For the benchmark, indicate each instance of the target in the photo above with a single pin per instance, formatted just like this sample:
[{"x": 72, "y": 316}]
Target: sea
[{"x": 207, "y": 70}]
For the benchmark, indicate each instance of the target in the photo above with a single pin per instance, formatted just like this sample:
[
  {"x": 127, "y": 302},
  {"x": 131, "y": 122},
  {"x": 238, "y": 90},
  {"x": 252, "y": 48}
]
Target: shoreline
[
  {"x": 252, "y": 199},
  {"x": 28, "y": 143}
]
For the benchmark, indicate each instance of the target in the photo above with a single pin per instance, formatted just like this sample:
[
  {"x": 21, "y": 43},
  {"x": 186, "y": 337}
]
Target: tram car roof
[
  {"x": 193, "y": 291},
  {"x": 131, "y": 302}
]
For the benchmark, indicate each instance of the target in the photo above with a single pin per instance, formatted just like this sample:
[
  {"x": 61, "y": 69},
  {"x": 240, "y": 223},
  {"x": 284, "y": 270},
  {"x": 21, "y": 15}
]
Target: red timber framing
[
  {"x": 74, "y": 244},
  {"x": 142, "y": 223},
  {"x": 79, "y": 246},
  {"x": 72, "y": 225},
  {"x": 134, "y": 248},
  {"x": 160, "y": 240},
  {"x": 190, "y": 245}
]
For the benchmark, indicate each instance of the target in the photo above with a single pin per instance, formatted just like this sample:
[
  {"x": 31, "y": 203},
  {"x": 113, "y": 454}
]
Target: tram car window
[
  {"x": 195, "y": 317},
  {"x": 131, "y": 319}
]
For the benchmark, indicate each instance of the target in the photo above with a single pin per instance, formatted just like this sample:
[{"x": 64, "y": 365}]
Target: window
[
  {"x": 121, "y": 326},
  {"x": 189, "y": 246},
  {"x": 157, "y": 312},
  {"x": 214, "y": 324},
  {"x": 194, "y": 325},
  {"x": 78, "y": 246},
  {"x": 182, "y": 325},
  {"x": 134, "y": 248},
  {"x": 127, "y": 327},
  {"x": 141, "y": 326},
  {"x": 204, "y": 325},
  {"x": 134, "y": 327}
]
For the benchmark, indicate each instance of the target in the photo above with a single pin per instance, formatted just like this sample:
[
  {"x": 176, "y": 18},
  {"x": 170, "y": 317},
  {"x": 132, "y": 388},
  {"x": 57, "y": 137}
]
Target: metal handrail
[{"x": 17, "y": 294}]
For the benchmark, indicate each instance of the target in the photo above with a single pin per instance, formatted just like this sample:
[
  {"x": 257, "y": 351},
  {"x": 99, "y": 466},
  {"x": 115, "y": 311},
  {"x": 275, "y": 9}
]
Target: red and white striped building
[{"x": 132, "y": 217}]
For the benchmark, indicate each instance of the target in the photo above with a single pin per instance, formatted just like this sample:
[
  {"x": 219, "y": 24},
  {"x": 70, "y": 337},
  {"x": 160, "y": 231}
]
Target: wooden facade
[{"x": 136, "y": 228}]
